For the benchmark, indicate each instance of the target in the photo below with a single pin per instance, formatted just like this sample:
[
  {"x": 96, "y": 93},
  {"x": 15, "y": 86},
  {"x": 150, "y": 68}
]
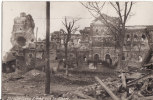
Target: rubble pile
[
  {"x": 140, "y": 90},
  {"x": 18, "y": 74},
  {"x": 94, "y": 91},
  {"x": 138, "y": 86},
  {"x": 34, "y": 75},
  {"x": 11, "y": 76}
]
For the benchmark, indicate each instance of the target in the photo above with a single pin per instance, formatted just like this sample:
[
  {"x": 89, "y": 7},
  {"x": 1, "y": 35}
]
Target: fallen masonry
[
  {"x": 139, "y": 88},
  {"x": 110, "y": 89}
]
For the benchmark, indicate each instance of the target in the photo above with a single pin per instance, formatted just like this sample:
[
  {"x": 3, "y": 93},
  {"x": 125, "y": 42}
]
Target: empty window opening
[
  {"x": 128, "y": 37},
  {"x": 143, "y": 37}
]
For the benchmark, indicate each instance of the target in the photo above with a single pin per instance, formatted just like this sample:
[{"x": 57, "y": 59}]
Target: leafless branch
[
  {"x": 131, "y": 3},
  {"x": 119, "y": 12}
]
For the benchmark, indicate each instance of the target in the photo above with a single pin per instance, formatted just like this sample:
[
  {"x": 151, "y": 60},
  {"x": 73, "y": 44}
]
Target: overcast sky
[{"x": 143, "y": 15}]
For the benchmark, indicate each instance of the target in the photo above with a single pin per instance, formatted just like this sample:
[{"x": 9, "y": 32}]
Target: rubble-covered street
[{"x": 31, "y": 84}]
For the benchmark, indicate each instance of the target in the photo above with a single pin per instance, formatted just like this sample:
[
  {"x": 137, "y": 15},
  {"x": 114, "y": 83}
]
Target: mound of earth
[{"x": 34, "y": 75}]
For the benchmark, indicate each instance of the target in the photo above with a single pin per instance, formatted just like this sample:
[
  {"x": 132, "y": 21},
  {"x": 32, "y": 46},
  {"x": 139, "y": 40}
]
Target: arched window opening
[
  {"x": 96, "y": 30},
  {"x": 14, "y": 53},
  {"x": 30, "y": 55},
  {"x": 41, "y": 46},
  {"x": 143, "y": 37},
  {"x": 32, "y": 40},
  {"x": 85, "y": 58},
  {"x": 20, "y": 28},
  {"x": 128, "y": 37},
  {"x": 135, "y": 37},
  {"x": 96, "y": 57},
  {"x": 108, "y": 59},
  {"x": 127, "y": 54},
  {"x": 123, "y": 57},
  {"x": 21, "y": 41},
  {"x": 140, "y": 59},
  {"x": 107, "y": 56}
]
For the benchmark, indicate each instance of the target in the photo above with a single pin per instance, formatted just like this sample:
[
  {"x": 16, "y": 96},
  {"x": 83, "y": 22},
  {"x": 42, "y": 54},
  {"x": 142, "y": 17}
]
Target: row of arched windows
[
  {"x": 101, "y": 30},
  {"x": 143, "y": 37},
  {"x": 135, "y": 56}
]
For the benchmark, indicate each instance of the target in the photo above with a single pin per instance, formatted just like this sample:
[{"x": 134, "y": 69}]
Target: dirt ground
[{"x": 32, "y": 83}]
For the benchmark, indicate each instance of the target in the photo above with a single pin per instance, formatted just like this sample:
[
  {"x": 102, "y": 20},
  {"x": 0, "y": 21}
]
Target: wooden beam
[
  {"x": 114, "y": 97},
  {"x": 150, "y": 75}
]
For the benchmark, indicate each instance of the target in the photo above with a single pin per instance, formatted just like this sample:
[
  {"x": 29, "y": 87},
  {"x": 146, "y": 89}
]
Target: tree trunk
[
  {"x": 120, "y": 58},
  {"x": 77, "y": 58},
  {"x": 120, "y": 63},
  {"x": 65, "y": 64}
]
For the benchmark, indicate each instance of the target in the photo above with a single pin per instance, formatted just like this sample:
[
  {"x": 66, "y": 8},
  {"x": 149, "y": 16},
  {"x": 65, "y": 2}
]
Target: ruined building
[
  {"x": 26, "y": 51},
  {"x": 23, "y": 31},
  {"x": 98, "y": 43},
  {"x": 22, "y": 40},
  {"x": 104, "y": 46}
]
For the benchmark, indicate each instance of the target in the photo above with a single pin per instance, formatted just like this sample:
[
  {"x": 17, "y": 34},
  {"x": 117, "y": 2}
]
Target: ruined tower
[
  {"x": 23, "y": 40},
  {"x": 23, "y": 31}
]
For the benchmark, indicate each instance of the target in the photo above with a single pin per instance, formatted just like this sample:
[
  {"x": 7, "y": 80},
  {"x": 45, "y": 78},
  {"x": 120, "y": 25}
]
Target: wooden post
[
  {"x": 124, "y": 86},
  {"x": 123, "y": 80},
  {"x": 47, "y": 70},
  {"x": 114, "y": 97}
]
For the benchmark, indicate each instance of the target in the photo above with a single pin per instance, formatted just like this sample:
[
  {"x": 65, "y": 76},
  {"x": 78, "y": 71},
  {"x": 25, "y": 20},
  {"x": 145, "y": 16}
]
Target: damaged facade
[
  {"x": 97, "y": 43},
  {"x": 94, "y": 43}
]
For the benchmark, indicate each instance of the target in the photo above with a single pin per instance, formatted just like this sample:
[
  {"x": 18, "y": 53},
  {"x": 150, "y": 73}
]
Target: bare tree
[
  {"x": 69, "y": 29},
  {"x": 115, "y": 25}
]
